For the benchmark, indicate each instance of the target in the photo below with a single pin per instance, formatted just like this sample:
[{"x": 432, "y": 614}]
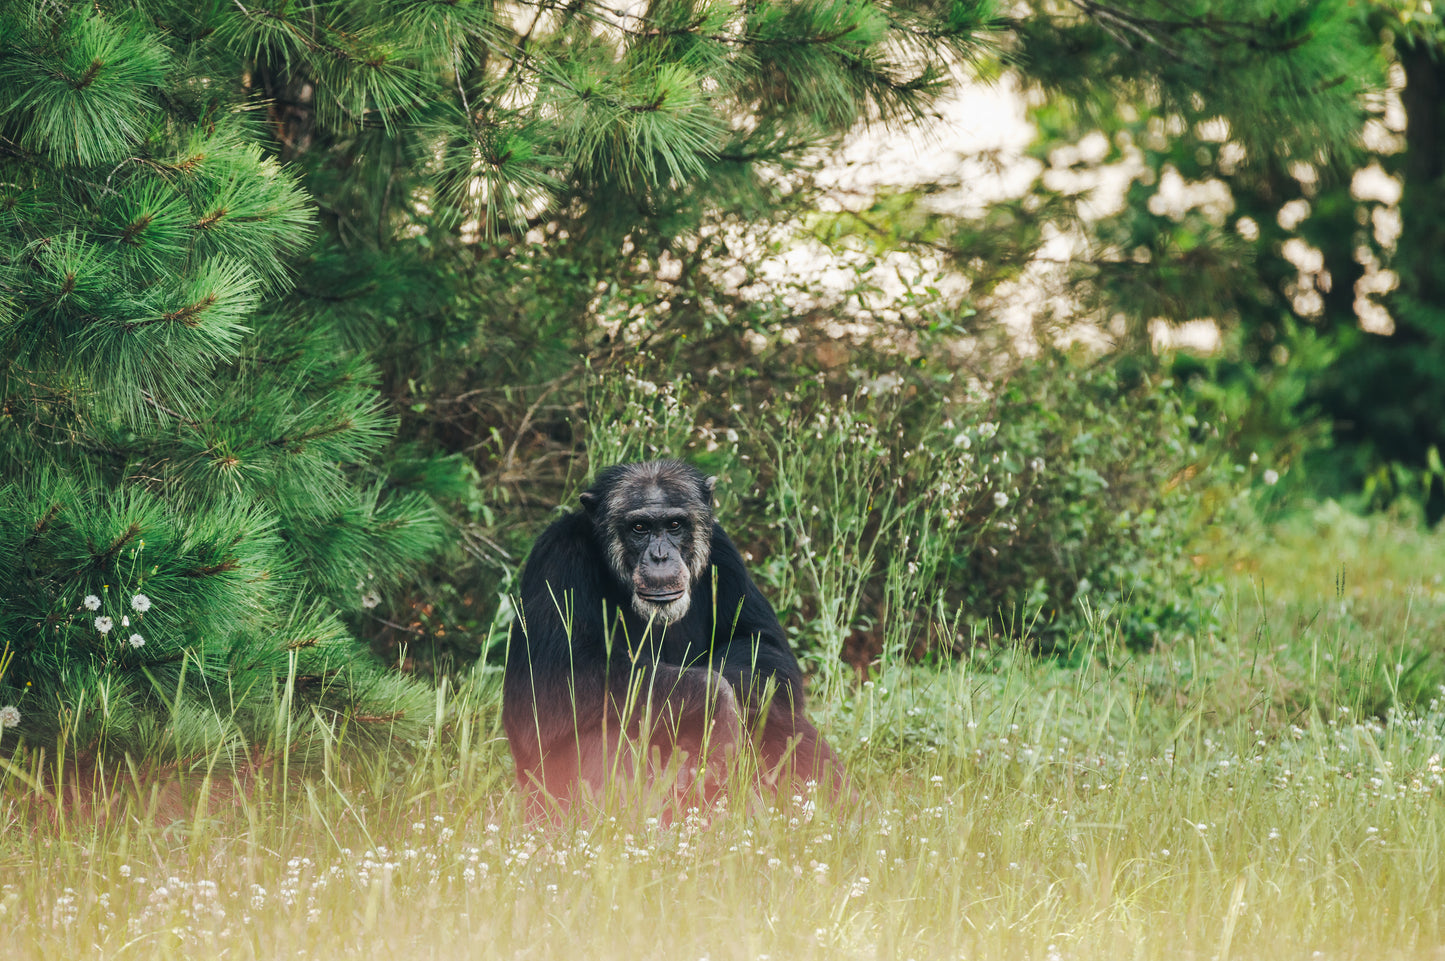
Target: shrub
[
  {"x": 899, "y": 518},
  {"x": 1095, "y": 471}
]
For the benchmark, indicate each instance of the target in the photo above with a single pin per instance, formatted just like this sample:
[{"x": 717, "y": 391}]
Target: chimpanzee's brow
[{"x": 633, "y": 517}]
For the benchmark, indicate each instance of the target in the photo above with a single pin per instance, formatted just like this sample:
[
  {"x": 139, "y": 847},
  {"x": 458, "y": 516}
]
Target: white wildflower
[
  {"x": 91, "y": 602},
  {"x": 963, "y": 440},
  {"x": 141, "y": 603},
  {"x": 124, "y": 620},
  {"x": 9, "y": 715},
  {"x": 137, "y": 641},
  {"x": 370, "y": 600},
  {"x": 1271, "y": 477},
  {"x": 104, "y": 624},
  {"x": 1000, "y": 499},
  {"x": 987, "y": 429},
  {"x": 883, "y": 384},
  {"x": 1037, "y": 465}
]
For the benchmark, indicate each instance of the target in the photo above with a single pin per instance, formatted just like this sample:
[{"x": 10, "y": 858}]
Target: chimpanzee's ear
[
  {"x": 709, "y": 484},
  {"x": 589, "y": 501}
]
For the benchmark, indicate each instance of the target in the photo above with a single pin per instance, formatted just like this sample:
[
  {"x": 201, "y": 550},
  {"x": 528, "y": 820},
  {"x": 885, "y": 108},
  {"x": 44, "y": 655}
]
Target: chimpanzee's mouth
[{"x": 661, "y": 597}]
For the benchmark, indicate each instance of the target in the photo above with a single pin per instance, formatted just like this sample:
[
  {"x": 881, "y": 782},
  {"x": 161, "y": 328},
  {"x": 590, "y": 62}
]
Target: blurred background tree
[{"x": 1284, "y": 187}]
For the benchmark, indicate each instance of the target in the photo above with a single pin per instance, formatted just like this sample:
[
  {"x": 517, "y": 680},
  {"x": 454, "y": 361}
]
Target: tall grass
[{"x": 1263, "y": 793}]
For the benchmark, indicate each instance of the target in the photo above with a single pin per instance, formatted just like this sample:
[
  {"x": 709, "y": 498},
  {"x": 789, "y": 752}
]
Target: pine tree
[{"x": 188, "y": 499}]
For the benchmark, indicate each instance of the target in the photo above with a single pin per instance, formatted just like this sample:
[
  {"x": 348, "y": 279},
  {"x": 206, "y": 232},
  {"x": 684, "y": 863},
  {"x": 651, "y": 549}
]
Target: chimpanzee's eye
[
  {"x": 674, "y": 525},
  {"x": 639, "y": 528}
]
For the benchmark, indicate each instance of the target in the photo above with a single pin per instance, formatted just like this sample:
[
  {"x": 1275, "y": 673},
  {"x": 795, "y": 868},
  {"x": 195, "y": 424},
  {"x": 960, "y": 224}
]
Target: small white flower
[
  {"x": 104, "y": 624},
  {"x": 1037, "y": 465},
  {"x": 91, "y": 602},
  {"x": 370, "y": 600},
  {"x": 137, "y": 641},
  {"x": 124, "y": 620},
  {"x": 1000, "y": 499},
  {"x": 141, "y": 603},
  {"x": 9, "y": 715},
  {"x": 1271, "y": 477},
  {"x": 1083, "y": 586},
  {"x": 963, "y": 440}
]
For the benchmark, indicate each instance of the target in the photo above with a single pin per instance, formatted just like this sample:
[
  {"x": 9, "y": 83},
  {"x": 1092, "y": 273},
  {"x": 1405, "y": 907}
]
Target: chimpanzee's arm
[
  {"x": 767, "y": 677},
  {"x": 555, "y": 682}
]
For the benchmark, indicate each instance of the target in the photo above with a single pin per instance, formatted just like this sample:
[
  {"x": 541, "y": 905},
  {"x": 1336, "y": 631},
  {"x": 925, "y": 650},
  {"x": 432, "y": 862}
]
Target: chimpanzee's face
[
  {"x": 657, "y": 530},
  {"x": 657, "y": 539}
]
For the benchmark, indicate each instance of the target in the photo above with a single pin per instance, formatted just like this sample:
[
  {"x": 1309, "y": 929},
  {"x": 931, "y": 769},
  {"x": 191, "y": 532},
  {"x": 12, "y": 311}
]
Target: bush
[
  {"x": 899, "y": 518},
  {"x": 1095, "y": 471}
]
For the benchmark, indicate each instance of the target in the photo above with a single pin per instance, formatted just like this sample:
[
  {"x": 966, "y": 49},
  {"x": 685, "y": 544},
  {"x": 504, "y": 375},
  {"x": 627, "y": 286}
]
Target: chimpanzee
[{"x": 641, "y": 635}]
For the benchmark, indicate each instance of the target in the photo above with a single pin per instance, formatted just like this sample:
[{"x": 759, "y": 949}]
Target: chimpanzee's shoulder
[{"x": 566, "y": 553}]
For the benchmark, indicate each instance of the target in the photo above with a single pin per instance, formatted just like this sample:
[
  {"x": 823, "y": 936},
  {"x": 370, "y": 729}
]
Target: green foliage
[
  {"x": 187, "y": 506},
  {"x": 1100, "y": 470},
  {"x": 1275, "y": 109},
  {"x": 904, "y": 519},
  {"x": 1289, "y": 78},
  {"x": 1281, "y": 183}
]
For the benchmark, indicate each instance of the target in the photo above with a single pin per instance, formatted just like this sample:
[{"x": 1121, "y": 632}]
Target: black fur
[{"x": 583, "y": 660}]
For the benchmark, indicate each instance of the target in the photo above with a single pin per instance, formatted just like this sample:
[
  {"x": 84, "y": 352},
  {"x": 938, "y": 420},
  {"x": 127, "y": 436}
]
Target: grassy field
[{"x": 1275, "y": 791}]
